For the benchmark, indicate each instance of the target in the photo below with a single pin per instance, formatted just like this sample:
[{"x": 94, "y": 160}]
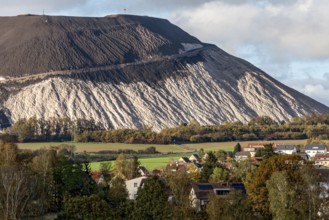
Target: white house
[
  {"x": 312, "y": 149},
  {"x": 133, "y": 186},
  {"x": 243, "y": 155},
  {"x": 285, "y": 149},
  {"x": 321, "y": 160}
]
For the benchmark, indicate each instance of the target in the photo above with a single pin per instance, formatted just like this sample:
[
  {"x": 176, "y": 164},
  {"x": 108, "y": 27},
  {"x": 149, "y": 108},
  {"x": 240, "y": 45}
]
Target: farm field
[
  {"x": 95, "y": 147},
  {"x": 153, "y": 162},
  {"x": 229, "y": 146},
  {"x": 182, "y": 148},
  {"x": 149, "y": 163}
]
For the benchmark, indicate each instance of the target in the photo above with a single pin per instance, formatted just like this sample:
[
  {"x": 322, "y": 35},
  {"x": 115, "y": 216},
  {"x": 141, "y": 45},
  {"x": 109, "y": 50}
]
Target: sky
[{"x": 288, "y": 39}]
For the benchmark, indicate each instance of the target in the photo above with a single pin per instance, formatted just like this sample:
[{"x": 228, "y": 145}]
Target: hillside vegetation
[{"x": 259, "y": 128}]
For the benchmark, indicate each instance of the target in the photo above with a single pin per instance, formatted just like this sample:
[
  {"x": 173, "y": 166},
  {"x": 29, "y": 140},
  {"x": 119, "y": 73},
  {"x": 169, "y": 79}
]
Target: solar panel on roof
[
  {"x": 239, "y": 186},
  {"x": 205, "y": 187}
]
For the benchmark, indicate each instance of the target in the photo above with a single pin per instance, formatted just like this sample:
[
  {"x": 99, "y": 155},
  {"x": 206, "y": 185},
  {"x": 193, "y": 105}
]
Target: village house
[
  {"x": 285, "y": 149},
  {"x": 312, "y": 149},
  {"x": 195, "y": 158},
  {"x": 252, "y": 148},
  {"x": 242, "y": 155},
  {"x": 321, "y": 160},
  {"x": 133, "y": 186},
  {"x": 143, "y": 171},
  {"x": 202, "y": 192},
  {"x": 184, "y": 160}
]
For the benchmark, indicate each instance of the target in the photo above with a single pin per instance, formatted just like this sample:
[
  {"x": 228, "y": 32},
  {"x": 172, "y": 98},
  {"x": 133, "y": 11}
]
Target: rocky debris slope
[{"x": 167, "y": 81}]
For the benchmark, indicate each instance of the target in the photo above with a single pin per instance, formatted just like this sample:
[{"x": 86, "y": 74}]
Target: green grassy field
[
  {"x": 153, "y": 162},
  {"x": 149, "y": 163}
]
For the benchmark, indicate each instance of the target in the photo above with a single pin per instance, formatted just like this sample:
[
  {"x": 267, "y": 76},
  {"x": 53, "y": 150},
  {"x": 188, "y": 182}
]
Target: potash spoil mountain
[{"x": 131, "y": 71}]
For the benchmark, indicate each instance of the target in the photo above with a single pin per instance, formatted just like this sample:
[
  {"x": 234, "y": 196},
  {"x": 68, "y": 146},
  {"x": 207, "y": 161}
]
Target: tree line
[{"x": 82, "y": 130}]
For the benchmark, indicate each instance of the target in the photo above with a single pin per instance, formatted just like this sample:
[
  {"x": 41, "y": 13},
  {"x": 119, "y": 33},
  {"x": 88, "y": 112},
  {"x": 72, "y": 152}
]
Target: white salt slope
[{"x": 211, "y": 92}]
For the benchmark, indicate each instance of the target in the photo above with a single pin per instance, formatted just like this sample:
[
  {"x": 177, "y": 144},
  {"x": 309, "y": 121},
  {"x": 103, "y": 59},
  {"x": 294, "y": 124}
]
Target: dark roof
[
  {"x": 186, "y": 160},
  {"x": 142, "y": 168},
  {"x": 204, "y": 190},
  {"x": 198, "y": 165},
  {"x": 316, "y": 147},
  {"x": 321, "y": 156},
  {"x": 281, "y": 147},
  {"x": 239, "y": 187}
]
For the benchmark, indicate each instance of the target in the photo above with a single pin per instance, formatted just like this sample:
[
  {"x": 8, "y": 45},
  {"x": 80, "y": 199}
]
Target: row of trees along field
[
  {"x": 33, "y": 184},
  {"x": 82, "y": 130}
]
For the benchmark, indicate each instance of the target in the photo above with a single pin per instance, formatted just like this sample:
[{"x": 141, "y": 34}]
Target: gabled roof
[
  {"x": 283, "y": 147},
  {"x": 185, "y": 159},
  {"x": 316, "y": 147},
  {"x": 196, "y": 156},
  {"x": 142, "y": 170},
  {"x": 204, "y": 190},
  {"x": 198, "y": 165},
  {"x": 256, "y": 145},
  {"x": 321, "y": 156}
]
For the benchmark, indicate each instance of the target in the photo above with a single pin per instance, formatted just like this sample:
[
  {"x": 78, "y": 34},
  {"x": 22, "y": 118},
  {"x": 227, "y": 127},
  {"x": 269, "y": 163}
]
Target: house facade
[
  {"x": 321, "y": 160},
  {"x": 285, "y": 149},
  {"x": 252, "y": 148},
  {"x": 133, "y": 186},
  {"x": 312, "y": 149},
  {"x": 242, "y": 155},
  {"x": 202, "y": 192}
]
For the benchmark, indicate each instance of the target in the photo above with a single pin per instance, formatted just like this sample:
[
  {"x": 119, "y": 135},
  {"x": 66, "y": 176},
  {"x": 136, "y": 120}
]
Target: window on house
[{"x": 222, "y": 192}]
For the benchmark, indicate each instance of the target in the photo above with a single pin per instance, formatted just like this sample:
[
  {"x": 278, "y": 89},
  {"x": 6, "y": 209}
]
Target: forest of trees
[
  {"x": 82, "y": 130},
  {"x": 33, "y": 184}
]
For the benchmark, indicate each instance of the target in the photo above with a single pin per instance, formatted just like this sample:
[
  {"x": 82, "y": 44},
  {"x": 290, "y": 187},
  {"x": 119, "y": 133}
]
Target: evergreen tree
[
  {"x": 208, "y": 167},
  {"x": 118, "y": 198},
  {"x": 151, "y": 202},
  {"x": 237, "y": 148}
]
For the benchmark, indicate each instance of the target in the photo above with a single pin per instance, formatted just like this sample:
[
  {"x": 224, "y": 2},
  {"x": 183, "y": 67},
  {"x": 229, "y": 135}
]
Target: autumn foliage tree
[{"x": 258, "y": 193}]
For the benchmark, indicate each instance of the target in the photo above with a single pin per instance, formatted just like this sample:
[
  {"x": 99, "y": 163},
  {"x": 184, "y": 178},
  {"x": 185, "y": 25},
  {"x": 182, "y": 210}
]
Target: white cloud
[
  {"x": 298, "y": 30},
  {"x": 317, "y": 88}
]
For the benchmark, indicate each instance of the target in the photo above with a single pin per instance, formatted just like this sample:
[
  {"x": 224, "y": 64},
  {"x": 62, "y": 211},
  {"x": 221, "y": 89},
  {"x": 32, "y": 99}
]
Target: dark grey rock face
[{"x": 38, "y": 44}]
